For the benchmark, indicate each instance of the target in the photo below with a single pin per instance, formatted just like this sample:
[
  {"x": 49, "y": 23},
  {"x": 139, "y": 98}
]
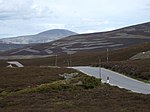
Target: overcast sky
[{"x": 20, "y": 17}]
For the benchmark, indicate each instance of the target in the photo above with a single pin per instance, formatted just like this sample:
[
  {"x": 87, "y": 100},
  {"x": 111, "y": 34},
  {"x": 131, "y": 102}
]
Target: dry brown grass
[
  {"x": 13, "y": 79},
  {"x": 139, "y": 69},
  {"x": 101, "y": 99},
  {"x": 86, "y": 58}
]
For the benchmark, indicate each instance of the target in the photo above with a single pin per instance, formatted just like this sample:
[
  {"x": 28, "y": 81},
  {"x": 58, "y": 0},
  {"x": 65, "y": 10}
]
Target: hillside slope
[
  {"x": 5, "y": 47},
  {"x": 113, "y": 40},
  {"x": 119, "y": 60}
]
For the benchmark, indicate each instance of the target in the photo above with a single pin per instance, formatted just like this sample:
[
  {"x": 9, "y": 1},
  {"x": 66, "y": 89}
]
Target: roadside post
[
  {"x": 107, "y": 80},
  {"x": 100, "y": 75},
  {"x": 107, "y": 55}
]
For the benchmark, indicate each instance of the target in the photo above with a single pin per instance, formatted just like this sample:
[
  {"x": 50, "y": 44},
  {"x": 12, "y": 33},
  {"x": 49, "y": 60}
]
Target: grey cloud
[
  {"x": 6, "y": 15},
  {"x": 147, "y": 6},
  {"x": 26, "y": 9}
]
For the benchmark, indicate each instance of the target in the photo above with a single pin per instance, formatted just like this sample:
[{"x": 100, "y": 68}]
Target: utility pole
[
  {"x": 70, "y": 61},
  {"x": 100, "y": 75},
  {"x": 107, "y": 55},
  {"x": 56, "y": 61}
]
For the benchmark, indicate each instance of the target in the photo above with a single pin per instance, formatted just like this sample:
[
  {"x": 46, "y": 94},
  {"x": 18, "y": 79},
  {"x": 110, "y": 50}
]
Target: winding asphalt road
[{"x": 116, "y": 79}]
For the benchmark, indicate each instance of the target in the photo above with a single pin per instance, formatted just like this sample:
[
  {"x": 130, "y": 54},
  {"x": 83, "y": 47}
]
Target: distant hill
[
  {"x": 113, "y": 40},
  {"x": 5, "y": 47},
  {"x": 83, "y": 58},
  {"x": 43, "y": 37}
]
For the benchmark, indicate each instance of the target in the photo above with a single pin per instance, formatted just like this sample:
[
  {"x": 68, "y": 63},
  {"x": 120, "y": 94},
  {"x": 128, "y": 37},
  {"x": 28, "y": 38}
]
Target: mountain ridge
[
  {"x": 42, "y": 37},
  {"x": 112, "y": 40}
]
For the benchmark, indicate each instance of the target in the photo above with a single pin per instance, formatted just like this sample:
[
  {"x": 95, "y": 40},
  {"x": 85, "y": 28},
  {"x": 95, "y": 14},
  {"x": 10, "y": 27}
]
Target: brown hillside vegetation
[
  {"x": 118, "y": 61},
  {"x": 116, "y": 39},
  {"x": 27, "y": 89},
  {"x": 65, "y": 98},
  {"x": 14, "y": 79},
  {"x": 100, "y": 99},
  {"x": 139, "y": 69},
  {"x": 85, "y": 58}
]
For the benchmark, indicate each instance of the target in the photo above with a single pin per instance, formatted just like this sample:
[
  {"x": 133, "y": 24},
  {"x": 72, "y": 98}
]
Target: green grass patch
[{"x": 79, "y": 82}]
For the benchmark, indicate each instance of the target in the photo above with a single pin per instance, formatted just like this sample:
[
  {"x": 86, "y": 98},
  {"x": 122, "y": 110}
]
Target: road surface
[{"x": 116, "y": 79}]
